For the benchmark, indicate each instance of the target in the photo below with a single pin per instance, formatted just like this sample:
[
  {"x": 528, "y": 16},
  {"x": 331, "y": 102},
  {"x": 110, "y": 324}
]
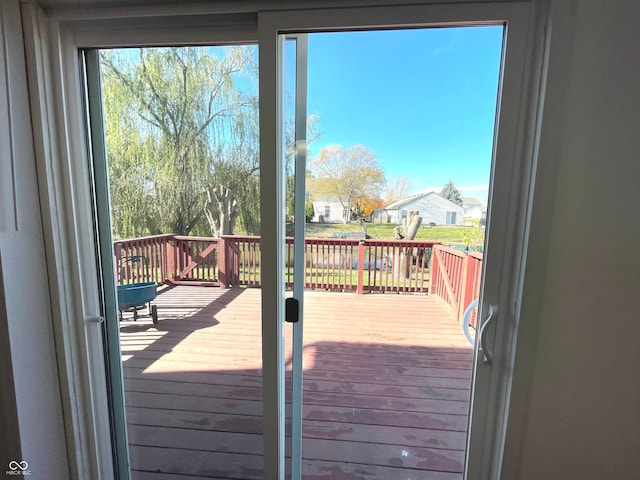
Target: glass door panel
[
  {"x": 391, "y": 268},
  {"x": 180, "y": 171}
]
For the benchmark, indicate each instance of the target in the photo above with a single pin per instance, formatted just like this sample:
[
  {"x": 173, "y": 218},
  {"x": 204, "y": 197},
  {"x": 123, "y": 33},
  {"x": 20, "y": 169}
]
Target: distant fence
[
  {"x": 330, "y": 264},
  {"x": 456, "y": 277}
]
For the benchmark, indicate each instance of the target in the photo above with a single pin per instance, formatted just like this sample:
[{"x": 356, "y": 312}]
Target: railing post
[
  {"x": 360, "y": 288},
  {"x": 234, "y": 260},
  {"x": 475, "y": 277},
  {"x": 168, "y": 260},
  {"x": 171, "y": 258},
  {"x": 223, "y": 279},
  {"x": 433, "y": 271},
  {"x": 117, "y": 253},
  {"x": 462, "y": 296}
]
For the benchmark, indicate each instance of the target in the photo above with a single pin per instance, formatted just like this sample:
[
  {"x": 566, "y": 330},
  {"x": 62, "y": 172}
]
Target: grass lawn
[{"x": 384, "y": 231}]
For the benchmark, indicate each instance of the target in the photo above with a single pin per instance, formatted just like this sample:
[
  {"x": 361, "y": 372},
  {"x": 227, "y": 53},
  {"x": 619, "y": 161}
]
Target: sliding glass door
[
  {"x": 354, "y": 374},
  {"x": 370, "y": 449}
]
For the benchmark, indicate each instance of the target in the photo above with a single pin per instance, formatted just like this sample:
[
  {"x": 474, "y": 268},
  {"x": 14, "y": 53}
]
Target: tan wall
[{"x": 583, "y": 420}]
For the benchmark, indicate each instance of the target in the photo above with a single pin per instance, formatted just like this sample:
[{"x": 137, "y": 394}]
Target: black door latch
[{"x": 291, "y": 310}]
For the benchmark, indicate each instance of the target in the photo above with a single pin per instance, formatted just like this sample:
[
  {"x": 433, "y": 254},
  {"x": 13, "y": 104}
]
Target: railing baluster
[
  {"x": 255, "y": 263},
  {"x": 323, "y": 259}
]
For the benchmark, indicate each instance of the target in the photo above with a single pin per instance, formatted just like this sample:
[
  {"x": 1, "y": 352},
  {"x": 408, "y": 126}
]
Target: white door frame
[
  {"x": 51, "y": 43},
  {"x": 64, "y": 165},
  {"x": 299, "y": 267}
]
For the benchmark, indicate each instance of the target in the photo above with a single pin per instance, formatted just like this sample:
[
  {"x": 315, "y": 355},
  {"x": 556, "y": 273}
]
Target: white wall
[
  {"x": 25, "y": 277},
  {"x": 336, "y": 212},
  {"x": 583, "y": 419},
  {"x": 432, "y": 208}
]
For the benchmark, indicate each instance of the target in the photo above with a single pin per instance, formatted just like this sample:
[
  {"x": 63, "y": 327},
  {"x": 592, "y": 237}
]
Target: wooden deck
[{"x": 387, "y": 381}]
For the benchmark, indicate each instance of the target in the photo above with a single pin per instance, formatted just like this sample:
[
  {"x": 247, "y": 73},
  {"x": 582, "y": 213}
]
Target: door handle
[
  {"x": 94, "y": 319},
  {"x": 465, "y": 321},
  {"x": 291, "y": 310},
  {"x": 487, "y": 356}
]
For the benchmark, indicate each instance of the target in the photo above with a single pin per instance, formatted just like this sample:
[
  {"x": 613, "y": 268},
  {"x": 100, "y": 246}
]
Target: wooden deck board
[{"x": 387, "y": 381}]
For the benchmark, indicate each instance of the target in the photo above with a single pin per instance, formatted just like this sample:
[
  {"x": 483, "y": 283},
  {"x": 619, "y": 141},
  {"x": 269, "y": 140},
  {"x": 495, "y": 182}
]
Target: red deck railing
[
  {"x": 195, "y": 259},
  {"x": 366, "y": 265},
  {"x": 157, "y": 249},
  {"x": 456, "y": 277},
  {"x": 330, "y": 264}
]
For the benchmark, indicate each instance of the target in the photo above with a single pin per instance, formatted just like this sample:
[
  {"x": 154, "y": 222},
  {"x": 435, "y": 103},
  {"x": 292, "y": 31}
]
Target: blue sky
[{"x": 423, "y": 100}]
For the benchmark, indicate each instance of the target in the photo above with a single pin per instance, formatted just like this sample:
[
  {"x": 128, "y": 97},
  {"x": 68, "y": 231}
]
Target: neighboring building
[
  {"x": 469, "y": 203},
  {"x": 432, "y": 207},
  {"x": 327, "y": 209},
  {"x": 473, "y": 209}
]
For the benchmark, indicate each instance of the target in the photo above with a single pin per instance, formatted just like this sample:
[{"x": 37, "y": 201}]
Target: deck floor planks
[{"x": 387, "y": 381}]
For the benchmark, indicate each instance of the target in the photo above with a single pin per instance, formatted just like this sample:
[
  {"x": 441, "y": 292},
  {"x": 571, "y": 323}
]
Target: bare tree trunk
[
  {"x": 402, "y": 260},
  {"x": 221, "y": 210},
  {"x": 412, "y": 225}
]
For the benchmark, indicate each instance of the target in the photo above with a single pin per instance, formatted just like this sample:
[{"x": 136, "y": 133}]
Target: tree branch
[{"x": 157, "y": 96}]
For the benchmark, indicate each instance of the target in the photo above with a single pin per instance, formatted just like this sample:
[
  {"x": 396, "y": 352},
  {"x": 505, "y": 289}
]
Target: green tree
[
  {"x": 450, "y": 192},
  {"x": 180, "y": 121},
  {"x": 347, "y": 174},
  {"x": 309, "y": 211}
]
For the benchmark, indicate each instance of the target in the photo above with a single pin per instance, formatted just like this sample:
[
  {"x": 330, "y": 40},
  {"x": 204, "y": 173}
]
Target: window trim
[{"x": 56, "y": 92}]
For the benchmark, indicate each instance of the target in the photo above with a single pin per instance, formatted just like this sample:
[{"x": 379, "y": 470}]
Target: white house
[
  {"x": 327, "y": 209},
  {"x": 473, "y": 209},
  {"x": 470, "y": 202},
  {"x": 432, "y": 207}
]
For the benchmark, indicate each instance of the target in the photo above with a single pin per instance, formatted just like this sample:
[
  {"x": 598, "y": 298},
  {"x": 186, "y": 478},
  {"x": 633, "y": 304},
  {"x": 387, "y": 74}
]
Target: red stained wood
[
  {"x": 387, "y": 381},
  {"x": 331, "y": 263}
]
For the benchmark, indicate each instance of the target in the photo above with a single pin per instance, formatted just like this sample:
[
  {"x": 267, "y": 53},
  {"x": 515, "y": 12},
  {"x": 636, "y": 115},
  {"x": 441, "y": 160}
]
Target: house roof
[
  {"x": 404, "y": 201},
  {"x": 326, "y": 198},
  {"x": 470, "y": 201}
]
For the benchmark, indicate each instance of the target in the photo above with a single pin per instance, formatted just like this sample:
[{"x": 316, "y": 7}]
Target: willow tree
[{"x": 178, "y": 122}]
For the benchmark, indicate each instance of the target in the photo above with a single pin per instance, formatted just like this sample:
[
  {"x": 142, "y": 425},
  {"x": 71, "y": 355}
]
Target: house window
[
  {"x": 451, "y": 218},
  {"x": 327, "y": 211}
]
